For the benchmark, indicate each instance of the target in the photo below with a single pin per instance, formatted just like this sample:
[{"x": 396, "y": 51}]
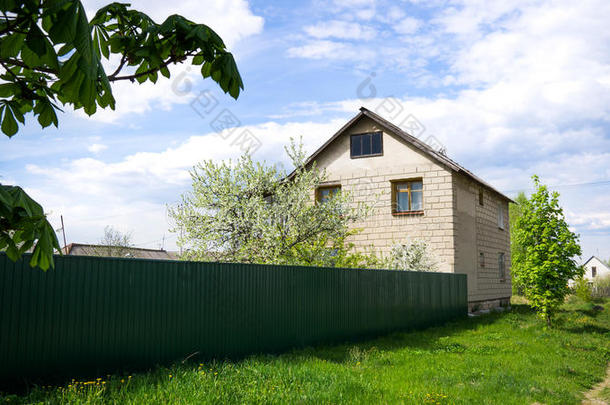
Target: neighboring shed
[
  {"x": 81, "y": 249},
  {"x": 595, "y": 268}
]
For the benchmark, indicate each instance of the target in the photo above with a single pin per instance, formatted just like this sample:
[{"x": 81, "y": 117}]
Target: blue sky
[{"x": 509, "y": 88}]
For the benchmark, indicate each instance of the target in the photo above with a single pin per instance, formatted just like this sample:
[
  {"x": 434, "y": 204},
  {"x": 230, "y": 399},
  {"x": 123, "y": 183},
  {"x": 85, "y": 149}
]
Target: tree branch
[
  {"x": 11, "y": 27},
  {"x": 19, "y": 63},
  {"x": 173, "y": 59},
  {"x": 120, "y": 67}
]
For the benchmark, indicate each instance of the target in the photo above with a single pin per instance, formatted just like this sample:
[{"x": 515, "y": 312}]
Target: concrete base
[{"x": 488, "y": 305}]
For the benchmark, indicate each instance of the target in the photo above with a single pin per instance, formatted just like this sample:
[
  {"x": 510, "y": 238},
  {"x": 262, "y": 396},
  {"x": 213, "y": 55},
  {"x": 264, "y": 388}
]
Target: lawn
[{"x": 507, "y": 358}]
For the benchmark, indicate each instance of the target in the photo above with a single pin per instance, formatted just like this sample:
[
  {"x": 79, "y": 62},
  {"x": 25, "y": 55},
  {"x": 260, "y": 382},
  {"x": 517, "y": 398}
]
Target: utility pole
[{"x": 63, "y": 231}]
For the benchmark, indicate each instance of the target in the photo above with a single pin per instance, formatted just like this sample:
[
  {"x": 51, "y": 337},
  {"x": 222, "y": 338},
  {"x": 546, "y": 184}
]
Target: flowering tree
[
  {"x": 251, "y": 212},
  {"x": 412, "y": 256}
]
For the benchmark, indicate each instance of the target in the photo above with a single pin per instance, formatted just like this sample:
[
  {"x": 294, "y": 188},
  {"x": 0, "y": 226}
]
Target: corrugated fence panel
[{"x": 92, "y": 314}]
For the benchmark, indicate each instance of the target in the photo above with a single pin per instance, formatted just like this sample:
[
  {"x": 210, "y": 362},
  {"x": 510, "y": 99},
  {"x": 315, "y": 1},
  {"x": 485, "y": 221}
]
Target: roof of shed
[{"x": 82, "y": 249}]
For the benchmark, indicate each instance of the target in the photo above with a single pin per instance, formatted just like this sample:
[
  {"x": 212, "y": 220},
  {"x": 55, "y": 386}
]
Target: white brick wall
[{"x": 382, "y": 229}]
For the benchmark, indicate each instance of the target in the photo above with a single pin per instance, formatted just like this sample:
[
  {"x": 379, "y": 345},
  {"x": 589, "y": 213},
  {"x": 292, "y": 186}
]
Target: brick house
[{"x": 419, "y": 193}]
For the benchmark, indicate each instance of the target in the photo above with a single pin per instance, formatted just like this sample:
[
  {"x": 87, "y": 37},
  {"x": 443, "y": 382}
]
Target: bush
[
  {"x": 582, "y": 289},
  {"x": 411, "y": 256},
  {"x": 601, "y": 287}
]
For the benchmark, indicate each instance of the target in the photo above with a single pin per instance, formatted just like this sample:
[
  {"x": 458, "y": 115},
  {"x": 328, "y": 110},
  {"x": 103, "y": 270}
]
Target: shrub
[
  {"x": 582, "y": 289},
  {"x": 411, "y": 256}
]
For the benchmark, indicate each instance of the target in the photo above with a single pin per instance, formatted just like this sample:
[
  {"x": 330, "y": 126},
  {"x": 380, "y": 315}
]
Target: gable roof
[
  {"x": 409, "y": 139},
  {"x": 600, "y": 260}
]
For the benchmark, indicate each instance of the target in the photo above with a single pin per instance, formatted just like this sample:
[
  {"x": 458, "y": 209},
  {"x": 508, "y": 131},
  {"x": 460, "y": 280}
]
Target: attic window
[{"x": 363, "y": 145}]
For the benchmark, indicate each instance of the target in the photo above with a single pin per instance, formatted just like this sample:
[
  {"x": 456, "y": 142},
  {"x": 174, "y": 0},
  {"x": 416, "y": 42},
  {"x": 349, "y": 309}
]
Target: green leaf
[
  {"x": 153, "y": 77},
  {"x": 82, "y": 35},
  {"x": 36, "y": 40},
  {"x": 46, "y": 113},
  {"x": 141, "y": 69},
  {"x": 8, "y": 89},
  {"x": 9, "y": 124},
  {"x": 206, "y": 69},
  {"x": 66, "y": 49},
  {"x": 30, "y": 57},
  {"x": 11, "y": 45},
  {"x": 23, "y": 225},
  {"x": 63, "y": 29}
]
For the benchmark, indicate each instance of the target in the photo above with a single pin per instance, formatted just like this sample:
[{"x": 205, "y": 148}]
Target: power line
[
  {"x": 156, "y": 240},
  {"x": 593, "y": 183}
]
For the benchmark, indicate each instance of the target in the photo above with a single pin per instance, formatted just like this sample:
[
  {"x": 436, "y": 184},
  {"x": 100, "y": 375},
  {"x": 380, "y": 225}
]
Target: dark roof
[
  {"x": 82, "y": 249},
  {"x": 410, "y": 139},
  {"x": 601, "y": 261}
]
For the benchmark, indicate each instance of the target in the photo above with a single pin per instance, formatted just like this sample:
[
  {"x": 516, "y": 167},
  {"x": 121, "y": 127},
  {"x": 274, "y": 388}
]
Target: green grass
[
  {"x": 507, "y": 358},
  {"x": 605, "y": 394}
]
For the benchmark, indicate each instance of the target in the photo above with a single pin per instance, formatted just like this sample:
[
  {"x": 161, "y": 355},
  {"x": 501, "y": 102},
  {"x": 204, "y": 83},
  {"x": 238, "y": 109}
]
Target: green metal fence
[{"x": 93, "y": 314}]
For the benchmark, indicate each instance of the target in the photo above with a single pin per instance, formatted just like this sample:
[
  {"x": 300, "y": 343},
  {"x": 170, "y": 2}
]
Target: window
[
  {"x": 481, "y": 259},
  {"x": 593, "y": 271},
  {"x": 325, "y": 193},
  {"x": 363, "y": 145},
  {"x": 500, "y": 216},
  {"x": 407, "y": 197},
  {"x": 481, "y": 197},
  {"x": 501, "y": 267}
]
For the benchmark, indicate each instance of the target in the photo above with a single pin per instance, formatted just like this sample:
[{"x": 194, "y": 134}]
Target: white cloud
[
  {"x": 590, "y": 220},
  {"x": 97, "y": 147},
  {"x": 407, "y": 25},
  {"x": 324, "y": 49},
  {"x": 340, "y": 29},
  {"x": 395, "y": 13}
]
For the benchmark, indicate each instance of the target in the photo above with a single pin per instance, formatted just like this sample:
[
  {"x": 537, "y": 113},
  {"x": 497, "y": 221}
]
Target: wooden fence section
[{"x": 93, "y": 314}]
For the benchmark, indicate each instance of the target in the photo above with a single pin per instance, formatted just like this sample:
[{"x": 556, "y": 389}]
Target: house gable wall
[
  {"x": 369, "y": 180},
  {"x": 601, "y": 269}
]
